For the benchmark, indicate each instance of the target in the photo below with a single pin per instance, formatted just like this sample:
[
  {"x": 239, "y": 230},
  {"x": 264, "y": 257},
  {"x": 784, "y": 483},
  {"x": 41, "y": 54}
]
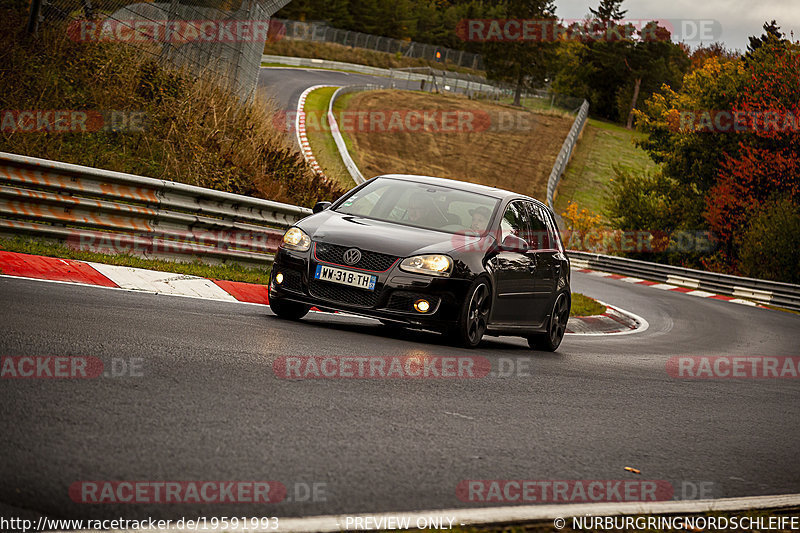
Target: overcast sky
[{"x": 735, "y": 19}]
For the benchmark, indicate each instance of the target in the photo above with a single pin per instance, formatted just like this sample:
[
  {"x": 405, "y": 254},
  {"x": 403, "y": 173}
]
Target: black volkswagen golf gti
[{"x": 431, "y": 253}]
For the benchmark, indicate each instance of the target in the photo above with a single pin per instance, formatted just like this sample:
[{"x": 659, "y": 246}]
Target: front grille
[
  {"x": 332, "y": 253},
  {"x": 342, "y": 294},
  {"x": 404, "y": 301}
]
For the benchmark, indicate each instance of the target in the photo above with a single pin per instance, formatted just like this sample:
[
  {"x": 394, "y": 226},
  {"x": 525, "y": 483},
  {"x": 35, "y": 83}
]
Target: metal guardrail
[
  {"x": 784, "y": 295},
  {"x": 566, "y": 152},
  {"x": 100, "y": 210},
  {"x": 457, "y": 82},
  {"x": 321, "y": 32},
  {"x": 351, "y": 166}
]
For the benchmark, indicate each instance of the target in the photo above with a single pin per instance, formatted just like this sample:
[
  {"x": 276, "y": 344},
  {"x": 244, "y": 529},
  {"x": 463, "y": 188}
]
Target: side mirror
[
  {"x": 512, "y": 243},
  {"x": 320, "y": 206}
]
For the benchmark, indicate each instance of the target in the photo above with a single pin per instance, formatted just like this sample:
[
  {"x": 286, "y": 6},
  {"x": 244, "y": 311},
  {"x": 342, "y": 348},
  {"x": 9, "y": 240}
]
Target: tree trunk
[
  {"x": 518, "y": 91},
  {"x": 633, "y": 102}
]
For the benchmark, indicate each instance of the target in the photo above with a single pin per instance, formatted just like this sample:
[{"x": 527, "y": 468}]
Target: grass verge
[
  {"x": 359, "y": 56},
  {"x": 319, "y": 137},
  {"x": 341, "y": 105},
  {"x": 582, "y": 305},
  {"x": 229, "y": 272},
  {"x": 501, "y": 147},
  {"x": 602, "y": 145},
  {"x": 541, "y": 105}
]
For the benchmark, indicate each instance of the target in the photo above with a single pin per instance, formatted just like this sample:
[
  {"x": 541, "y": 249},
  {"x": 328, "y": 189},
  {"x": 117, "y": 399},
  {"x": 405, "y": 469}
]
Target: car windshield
[{"x": 421, "y": 205}]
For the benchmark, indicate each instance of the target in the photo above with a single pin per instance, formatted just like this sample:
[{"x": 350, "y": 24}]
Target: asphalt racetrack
[{"x": 207, "y": 405}]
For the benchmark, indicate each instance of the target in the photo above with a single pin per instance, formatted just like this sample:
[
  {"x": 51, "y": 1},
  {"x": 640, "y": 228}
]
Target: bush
[
  {"x": 770, "y": 247},
  {"x": 642, "y": 201},
  {"x": 581, "y": 220},
  {"x": 669, "y": 210}
]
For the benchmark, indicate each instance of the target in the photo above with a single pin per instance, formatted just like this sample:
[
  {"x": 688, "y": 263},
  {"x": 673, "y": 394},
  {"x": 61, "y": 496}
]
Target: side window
[
  {"x": 515, "y": 221},
  {"x": 542, "y": 236},
  {"x": 553, "y": 229}
]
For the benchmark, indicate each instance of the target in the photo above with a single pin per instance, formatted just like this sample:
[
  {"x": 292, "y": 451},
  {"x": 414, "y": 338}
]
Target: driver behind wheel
[{"x": 421, "y": 211}]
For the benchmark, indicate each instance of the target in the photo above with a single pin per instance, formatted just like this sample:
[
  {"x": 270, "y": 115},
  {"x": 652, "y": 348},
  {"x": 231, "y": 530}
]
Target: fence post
[{"x": 33, "y": 19}]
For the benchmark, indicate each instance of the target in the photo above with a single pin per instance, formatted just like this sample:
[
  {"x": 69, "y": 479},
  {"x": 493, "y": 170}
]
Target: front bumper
[{"x": 392, "y": 299}]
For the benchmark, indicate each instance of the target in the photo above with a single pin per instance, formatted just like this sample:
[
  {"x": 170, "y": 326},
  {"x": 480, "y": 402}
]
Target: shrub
[
  {"x": 642, "y": 200},
  {"x": 770, "y": 247}
]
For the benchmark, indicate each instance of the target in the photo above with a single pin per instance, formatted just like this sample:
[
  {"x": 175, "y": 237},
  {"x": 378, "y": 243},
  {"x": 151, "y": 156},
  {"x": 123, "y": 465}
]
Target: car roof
[{"x": 460, "y": 185}]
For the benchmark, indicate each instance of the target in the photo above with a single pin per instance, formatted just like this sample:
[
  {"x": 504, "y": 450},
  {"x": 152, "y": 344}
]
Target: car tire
[
  {"x": 556, "y": 326},
  {"x": 288, "y": 309},
  {"x": 474, "y": 315}
]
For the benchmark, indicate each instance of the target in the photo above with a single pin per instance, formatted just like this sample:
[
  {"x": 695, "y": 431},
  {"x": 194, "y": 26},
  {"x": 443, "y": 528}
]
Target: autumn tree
[
  {"x": 614, "y": 63},
  {"x": 523, "y": 63},
  {"x": 765, "y": 167}
]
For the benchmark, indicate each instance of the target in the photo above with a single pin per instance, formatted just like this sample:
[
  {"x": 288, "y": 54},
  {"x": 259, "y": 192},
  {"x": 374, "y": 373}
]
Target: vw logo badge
[{"x": 352, "y": 256}]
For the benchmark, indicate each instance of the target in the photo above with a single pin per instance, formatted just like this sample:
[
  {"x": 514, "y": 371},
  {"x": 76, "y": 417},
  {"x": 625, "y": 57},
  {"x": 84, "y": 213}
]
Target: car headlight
[
  {"x": 433, "y": 265},
  {"x": 296, "y": 239}
]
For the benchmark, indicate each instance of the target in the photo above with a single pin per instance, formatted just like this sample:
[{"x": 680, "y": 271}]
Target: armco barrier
[
  {"x": 566, "y": 152},
  {"x": 164, "y": 219},
  {"x": 97, "y": 209},
  {"x": 775, "y": 293},
  {"x": 352, "y": 168},
  {"x": 458, "y": 82}
]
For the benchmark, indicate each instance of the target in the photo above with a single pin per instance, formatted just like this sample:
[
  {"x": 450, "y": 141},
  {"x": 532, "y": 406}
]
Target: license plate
[{"x": 346, "y": 277}]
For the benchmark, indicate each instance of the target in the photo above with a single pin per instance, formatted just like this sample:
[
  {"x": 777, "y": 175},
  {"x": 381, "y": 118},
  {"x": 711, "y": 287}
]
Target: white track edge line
[
  {"x": 644, "y": 324},
  {"x": 528, "y": 513}
]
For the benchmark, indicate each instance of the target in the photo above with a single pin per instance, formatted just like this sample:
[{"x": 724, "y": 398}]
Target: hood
[{"x": 377, "y": 236}]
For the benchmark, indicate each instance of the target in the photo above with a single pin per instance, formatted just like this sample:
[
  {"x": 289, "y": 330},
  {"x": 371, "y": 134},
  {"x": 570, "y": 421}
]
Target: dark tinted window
[
  {"x": 541, "y": 236},
  {"x": 515, "y": 221}
]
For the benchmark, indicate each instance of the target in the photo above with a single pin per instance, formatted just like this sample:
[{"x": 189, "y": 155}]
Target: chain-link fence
[
  {"x": 317, "y": 31},
  {"x": 443, "y": 81},
  {"x": 222, "y": 39}
]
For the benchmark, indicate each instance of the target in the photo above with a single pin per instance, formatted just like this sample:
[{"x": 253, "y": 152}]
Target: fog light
[
  {"x": 279, "y": 278},
  {"x": 422, "y": 306}
]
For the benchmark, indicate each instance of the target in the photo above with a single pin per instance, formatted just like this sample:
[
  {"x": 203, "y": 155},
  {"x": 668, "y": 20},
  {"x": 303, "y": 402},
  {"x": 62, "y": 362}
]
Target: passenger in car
[{"x": 480, "y": 218}]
